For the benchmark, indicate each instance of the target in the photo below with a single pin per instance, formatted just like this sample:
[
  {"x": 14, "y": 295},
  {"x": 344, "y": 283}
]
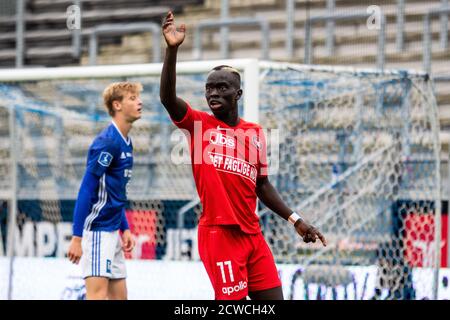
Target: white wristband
[{"x": 294, "y": 217}]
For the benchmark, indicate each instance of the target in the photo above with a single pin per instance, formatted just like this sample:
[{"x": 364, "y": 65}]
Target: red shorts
[{"x": 236, "y": 262}]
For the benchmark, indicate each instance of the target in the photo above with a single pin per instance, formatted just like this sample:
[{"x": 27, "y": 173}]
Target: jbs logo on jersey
[
  {"x": 232, "y": 289},
  {"x": 105, "y": 159},
  {"x": 221, "y": 139}
]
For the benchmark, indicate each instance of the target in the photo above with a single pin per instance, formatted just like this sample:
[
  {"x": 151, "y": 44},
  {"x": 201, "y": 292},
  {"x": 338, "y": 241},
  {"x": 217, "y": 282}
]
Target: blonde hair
[{"x": 115, "y": 92}]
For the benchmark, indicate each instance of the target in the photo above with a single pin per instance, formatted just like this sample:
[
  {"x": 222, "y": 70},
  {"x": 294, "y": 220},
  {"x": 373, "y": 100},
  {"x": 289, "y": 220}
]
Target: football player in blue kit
[{"x": 100, "y": 228}]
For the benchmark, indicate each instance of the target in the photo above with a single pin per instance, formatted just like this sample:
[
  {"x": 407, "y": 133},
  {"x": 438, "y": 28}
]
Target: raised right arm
[{"x": 174, "y": 37}]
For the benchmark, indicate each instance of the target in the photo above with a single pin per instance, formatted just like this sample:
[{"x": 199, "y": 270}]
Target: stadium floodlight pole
[
  {"x": 290, "y": 27},
  {"x": 331, "y": 5},
  {"x": 400, "y": 39},
  {"x": 117, "y": 29},
  {"x": 444, "y": 26},
  {"x": 241, "y": 21},
  {"x": 12, "y": 208},
  {"x": 224, "y": 30},
  {"x": 20, "y": 32}
]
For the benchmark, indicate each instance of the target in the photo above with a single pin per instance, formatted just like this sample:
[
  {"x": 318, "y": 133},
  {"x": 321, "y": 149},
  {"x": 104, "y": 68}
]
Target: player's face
[
  {"x": 222, "y": 92},
  {"x": 132, "y": 106}
]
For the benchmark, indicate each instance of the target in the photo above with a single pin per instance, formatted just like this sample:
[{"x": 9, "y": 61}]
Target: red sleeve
[
  {"x": 263, "y": 165},
  {"x": 189, "y": 118}
]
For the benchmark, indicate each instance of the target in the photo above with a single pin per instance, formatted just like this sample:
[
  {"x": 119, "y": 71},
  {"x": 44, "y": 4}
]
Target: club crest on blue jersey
[{"x": 105, "y": 159}]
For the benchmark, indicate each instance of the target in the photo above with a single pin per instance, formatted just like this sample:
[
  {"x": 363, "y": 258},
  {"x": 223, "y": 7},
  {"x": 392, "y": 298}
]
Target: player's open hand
[
  {"x": 309, "y": 233},
  {"x": 174, "y": 36},
  {"x": 127, "y": 241},
  {"x": 75, "y": 250}
]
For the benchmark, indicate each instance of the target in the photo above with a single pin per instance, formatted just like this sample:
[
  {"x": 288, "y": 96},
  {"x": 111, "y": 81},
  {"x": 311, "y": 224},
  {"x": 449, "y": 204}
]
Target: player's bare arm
[
  {"x": 174, "y": 38},
  {"x": 270, "y": 197}
]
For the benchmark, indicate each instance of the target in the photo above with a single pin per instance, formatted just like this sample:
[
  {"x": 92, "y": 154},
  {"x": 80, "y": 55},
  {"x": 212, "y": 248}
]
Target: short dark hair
[{"x": 229, "y": 69}]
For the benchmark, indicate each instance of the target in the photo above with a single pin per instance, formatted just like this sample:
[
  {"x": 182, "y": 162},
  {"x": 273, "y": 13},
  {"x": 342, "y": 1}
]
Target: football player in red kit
[{"x": 229, "y": 165}]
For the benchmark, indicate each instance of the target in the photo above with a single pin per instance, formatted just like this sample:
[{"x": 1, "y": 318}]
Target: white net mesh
[
  {"x": 357, "y": 156},
  {"x": 359, "y": 159},
  {"x": 56, "y": 121}
]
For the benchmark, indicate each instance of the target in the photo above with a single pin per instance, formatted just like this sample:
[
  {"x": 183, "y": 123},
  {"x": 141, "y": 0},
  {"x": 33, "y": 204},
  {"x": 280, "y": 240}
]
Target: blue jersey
[{"x": 110, "y": 160}]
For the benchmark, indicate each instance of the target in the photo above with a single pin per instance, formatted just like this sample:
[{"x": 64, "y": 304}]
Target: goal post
[{"x": 355, "y": 151}]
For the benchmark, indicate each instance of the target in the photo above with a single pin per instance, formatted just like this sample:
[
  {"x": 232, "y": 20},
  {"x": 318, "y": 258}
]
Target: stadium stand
[{"x": 49, "y": 42}]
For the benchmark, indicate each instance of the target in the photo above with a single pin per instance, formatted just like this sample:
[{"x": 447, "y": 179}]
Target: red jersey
[{"x": 226, "y": 162}]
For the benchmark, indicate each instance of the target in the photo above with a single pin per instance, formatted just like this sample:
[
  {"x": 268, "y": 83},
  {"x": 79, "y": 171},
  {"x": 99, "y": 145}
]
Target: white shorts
[{"x": 102, "y": 255}]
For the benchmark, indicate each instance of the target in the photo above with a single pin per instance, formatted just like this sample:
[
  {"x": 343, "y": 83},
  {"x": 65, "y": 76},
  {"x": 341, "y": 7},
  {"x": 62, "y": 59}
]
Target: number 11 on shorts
[{"x": 222, "y": 270}]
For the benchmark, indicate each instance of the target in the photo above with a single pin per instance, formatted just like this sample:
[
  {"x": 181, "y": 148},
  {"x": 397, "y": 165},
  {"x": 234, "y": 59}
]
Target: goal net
[
  {"x": 359, "y": 158},
  {"x": 356, "y": 152}
]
